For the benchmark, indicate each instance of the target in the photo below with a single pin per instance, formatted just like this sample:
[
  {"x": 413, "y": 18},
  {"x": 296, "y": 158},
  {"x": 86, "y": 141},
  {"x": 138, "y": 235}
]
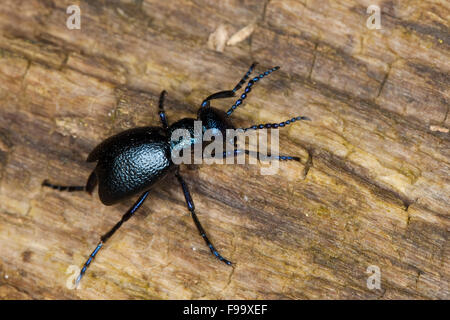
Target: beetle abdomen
[{"x": 130, "y": 163}]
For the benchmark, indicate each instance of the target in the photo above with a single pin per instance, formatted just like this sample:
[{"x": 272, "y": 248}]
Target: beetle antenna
[
  {"x": 229, "y": 93},
  {"x": 248, "y": 88},
  {"x": 276, "y": 125}
]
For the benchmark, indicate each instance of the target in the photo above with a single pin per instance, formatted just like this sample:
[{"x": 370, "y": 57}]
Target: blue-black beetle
[{"x": 131, "y": 162}]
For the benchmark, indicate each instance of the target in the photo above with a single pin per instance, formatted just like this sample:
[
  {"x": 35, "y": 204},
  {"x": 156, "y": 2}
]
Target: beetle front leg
[{"x": 191, "y": 207}]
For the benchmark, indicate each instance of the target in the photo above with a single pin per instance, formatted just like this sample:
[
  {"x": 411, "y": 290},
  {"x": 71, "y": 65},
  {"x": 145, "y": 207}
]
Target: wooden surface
[{"x": 372, "y": 188}]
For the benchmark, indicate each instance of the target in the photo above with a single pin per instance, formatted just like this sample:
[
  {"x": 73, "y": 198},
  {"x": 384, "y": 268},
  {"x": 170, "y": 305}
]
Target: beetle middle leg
[
  {"x": 89, "y": 187},
  {"x": 191, "y": 207},
  {"x": 108, "y": 235}
]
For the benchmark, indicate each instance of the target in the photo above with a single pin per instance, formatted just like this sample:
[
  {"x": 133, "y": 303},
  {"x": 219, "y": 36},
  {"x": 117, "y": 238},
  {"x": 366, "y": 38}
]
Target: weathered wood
[{"x": 372, "y": 187}]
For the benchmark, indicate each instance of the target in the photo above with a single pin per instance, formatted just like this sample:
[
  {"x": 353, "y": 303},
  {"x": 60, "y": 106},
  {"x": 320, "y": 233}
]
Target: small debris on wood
[
  {"x": 241, "y": 35},
  {"x": 218, "y": 38},
  {"x": 439, "y": 129}
]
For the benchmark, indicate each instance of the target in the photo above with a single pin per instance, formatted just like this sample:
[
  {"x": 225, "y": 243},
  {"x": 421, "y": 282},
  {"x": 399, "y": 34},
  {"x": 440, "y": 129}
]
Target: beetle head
[{"x": 214, "y": 119}]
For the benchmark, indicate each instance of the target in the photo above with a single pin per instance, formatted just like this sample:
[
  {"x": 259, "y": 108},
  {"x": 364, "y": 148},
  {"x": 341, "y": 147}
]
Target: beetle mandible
[{"x": 131, "y": 162}]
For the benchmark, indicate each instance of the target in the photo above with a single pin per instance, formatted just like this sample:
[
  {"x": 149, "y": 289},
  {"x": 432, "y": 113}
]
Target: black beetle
[{"x": 131, "y": 162}]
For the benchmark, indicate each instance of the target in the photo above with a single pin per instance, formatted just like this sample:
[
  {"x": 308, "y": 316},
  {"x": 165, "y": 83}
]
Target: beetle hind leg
[
  {"x": 58, "y": 187},
  {"x": 91, "y": 183},
  {"x": 89, "y": 187},
  {"x": 104, "y": 238}
]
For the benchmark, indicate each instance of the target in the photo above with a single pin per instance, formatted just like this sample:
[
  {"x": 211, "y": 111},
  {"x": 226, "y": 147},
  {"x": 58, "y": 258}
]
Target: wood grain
[{"x": 372, "y": 188}]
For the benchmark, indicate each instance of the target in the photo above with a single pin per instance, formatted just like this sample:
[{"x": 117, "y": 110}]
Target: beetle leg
[
  {"x": 162, "y": 113},
  {"x": 191, "y": 207},
  {"x": 107, "y": 235},
  {"x": 229, "y": 93},
  {"x": 89, "y": 187},
  {"x": 91, "y": 183},
  {"x": 58, "y": 187}
]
